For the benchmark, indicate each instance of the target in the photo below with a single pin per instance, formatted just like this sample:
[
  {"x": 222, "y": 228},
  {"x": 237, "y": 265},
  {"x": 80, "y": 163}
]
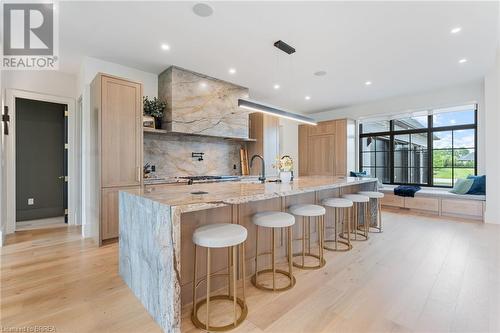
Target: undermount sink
[{"x": 199, "y": 192}]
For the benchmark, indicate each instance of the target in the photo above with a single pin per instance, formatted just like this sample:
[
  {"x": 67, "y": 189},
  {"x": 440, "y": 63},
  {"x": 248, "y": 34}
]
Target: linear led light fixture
[{"x": 249, "y": 105}]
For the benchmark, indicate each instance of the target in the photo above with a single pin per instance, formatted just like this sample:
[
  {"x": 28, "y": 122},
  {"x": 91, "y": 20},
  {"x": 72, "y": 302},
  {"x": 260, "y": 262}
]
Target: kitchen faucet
[{"x": 263, "y": 166}]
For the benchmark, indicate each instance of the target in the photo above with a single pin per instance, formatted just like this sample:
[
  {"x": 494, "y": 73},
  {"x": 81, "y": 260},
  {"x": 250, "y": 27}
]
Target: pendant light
[{"x": 271, "y": 110}]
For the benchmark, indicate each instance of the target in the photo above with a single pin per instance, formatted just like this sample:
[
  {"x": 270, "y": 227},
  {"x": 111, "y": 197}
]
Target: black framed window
[{"x": 429, "y": 150}]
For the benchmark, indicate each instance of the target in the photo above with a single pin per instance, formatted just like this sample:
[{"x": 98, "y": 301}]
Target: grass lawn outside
[{"x": 443, "y": 176}]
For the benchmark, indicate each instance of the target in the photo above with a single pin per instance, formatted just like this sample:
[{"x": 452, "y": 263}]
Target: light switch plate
[{"x": 31, "y": 201}]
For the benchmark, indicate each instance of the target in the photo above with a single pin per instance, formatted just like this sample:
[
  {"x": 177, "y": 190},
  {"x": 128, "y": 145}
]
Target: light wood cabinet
[
  {"x": 341, "y": 147},
  {"x": 323, "y": 149},
  {"x": 265, "y": 130},
  {"x": 121, "y": 132},
  {"x": 118, "y": 105},
  {"x": 303, "y": 149},
  {"x": 324, "y": 127},
  {"x": 321, "y": 155}
]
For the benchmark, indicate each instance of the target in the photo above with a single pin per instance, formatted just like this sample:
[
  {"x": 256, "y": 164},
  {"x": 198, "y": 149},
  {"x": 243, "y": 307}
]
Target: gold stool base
[
  {"x": 200, "y": 325},
  {"x": 278, "y": 271},
  {"x": 375, "y": 229},
  {"x": 353, "y": 234},
  {"x": 321, "y": 263},
  {"x": 343, "y": 249}
]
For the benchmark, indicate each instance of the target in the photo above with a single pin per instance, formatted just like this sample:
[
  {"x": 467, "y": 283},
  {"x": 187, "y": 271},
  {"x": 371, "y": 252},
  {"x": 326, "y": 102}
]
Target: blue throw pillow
[
  {"x": 359, "y": 174},
  {"x": 479, "y": 185}
]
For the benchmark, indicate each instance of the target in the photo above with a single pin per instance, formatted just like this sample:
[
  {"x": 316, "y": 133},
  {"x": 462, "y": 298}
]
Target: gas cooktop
[{"x": 195, "y": 179}]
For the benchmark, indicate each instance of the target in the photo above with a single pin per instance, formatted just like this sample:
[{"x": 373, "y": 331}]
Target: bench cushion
[{"x": 438, "y": 193}]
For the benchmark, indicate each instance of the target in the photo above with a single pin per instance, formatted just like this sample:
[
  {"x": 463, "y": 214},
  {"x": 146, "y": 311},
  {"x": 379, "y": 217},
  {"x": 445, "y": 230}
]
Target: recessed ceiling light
[
  {"x": 232, "y": 71},
  {"x": 203, "y": 10},
  {"x": 203, "y": 84},
  {"x": 368, "y": 83},
  {"x": 320, "y": 73},
  {"x": 307, "y": 98},
  {"x": 456, "y": 30},
  {"x": 276, "y": 86},
  {"x": 165, "y": 47},
  {"x": 462, "y": 61}
]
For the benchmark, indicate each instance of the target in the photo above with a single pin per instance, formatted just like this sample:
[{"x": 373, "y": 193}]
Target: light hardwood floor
[{"x": 422, "y": 274}]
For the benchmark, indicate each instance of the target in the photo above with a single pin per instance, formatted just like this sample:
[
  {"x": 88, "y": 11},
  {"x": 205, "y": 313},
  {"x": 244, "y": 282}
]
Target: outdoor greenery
[
  {"x": 444, "y": 158},
  {"x": 443, "y": 161}
]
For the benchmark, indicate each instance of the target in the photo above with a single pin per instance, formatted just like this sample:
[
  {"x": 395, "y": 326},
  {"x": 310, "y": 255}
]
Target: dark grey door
[{"x": 41, "y": 160}]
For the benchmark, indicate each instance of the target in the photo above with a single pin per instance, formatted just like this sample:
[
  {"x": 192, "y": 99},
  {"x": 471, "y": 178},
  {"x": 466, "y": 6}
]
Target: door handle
[{"x": 60, "y": 177}]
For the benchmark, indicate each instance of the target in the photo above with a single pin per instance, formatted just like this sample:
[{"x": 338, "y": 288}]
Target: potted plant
[
  {"x": 285, "y": 166},
  {"x": 154, "y": 108}
]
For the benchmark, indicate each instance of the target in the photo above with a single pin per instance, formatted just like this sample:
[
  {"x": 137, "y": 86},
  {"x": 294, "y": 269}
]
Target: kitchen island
[{"x": 156, "y": 225}]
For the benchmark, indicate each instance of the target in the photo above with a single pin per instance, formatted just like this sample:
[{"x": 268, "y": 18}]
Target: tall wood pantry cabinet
[
  {"x": 265, "y": 130},
  {"x": 117, "y": 104},
  {"x": 327, "y": 149}
]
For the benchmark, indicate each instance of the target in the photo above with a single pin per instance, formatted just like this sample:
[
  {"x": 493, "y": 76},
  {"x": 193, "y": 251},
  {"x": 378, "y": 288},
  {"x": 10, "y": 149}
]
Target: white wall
[
  {"x": 91, "y": 66},
  {"x": 471, "y": 92},
  {"x": 492, "y": 138},
  {"x": 492, "y": 120},
  {"x": 42, "y": 82}
]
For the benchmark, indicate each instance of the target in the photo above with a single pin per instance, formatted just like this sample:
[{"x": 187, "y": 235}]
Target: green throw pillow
[{"x": 462, "y": 186}]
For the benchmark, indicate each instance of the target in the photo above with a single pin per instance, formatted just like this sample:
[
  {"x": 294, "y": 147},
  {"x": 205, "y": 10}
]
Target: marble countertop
[{"x": 226, "y": 193}]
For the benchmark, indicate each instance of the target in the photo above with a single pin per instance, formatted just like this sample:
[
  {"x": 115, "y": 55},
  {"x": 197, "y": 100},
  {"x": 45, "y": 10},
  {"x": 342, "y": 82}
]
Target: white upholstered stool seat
[
  {"x": 358, "y": 198},
  {"x": 372, "y": 194},
  {"x": 307, "y": 210},
  {"x": 219, "y": 235},
  {"x": 337, "y": 203},
  {"x": 273, "y": 219}
]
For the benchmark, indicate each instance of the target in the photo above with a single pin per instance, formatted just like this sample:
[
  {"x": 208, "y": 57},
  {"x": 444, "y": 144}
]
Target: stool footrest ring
[
  {"x": 343, "y": 235},
  {"x": 318, "y": 266},
  {"x": 377, "y": 229},
  {"x": 200, "y": 325},
  {"x": 278, "y": 271},
  {"x": 344, "y": 249}
]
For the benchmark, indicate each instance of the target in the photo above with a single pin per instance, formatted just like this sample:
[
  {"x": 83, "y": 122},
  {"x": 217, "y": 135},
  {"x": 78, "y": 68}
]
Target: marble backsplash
[
  {"x": 199, "y": 104},
  {"x": 171, "y": 154}
]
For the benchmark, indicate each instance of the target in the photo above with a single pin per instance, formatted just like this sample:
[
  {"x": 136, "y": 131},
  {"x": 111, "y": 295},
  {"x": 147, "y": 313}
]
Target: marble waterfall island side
[{"x": 151, "y": 220}]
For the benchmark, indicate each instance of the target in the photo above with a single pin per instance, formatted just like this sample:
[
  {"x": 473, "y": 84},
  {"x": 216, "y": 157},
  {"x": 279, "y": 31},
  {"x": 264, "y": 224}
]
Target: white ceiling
[{"x": 402, "y": 47}]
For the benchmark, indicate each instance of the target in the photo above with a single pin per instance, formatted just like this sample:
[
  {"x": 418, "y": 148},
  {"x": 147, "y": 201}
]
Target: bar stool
[
  {"x": 341, "y": 207},
  {"x": 273, "y": 220},
  {"x": 220, "y": 235},
  {"x": 359, "y": 202},
  {"x": 376, "y": 196},
  {"x": 308, "y": 211}
]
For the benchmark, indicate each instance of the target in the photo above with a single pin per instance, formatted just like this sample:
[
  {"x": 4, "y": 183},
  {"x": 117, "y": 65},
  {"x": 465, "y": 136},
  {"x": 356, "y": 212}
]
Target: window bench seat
[{"x": 439, "y": 202}]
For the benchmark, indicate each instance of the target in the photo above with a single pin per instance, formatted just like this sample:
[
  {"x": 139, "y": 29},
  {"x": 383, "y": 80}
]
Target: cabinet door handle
[{"x": 139, "y": 174}]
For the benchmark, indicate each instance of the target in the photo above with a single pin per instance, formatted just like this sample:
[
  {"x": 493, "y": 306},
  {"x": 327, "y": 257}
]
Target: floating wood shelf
[
  {"x": 154, "y": 130},
  {"x": 162, "y": 131}
]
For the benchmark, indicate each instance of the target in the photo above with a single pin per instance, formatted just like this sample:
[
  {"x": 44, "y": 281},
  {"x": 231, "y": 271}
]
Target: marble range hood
[{"x": 201, "y": 105}]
